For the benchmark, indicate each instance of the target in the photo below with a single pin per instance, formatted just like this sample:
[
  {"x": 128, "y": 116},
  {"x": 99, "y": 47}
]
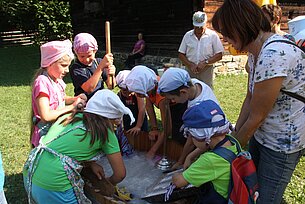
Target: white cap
[
  {"x": 107, "y": 104},
  {"x": 121, "y": 78},
  {"x": 141, "y": 80},
  {"x": 297, "y": 27},
  {"x": 199, "y": 19}
]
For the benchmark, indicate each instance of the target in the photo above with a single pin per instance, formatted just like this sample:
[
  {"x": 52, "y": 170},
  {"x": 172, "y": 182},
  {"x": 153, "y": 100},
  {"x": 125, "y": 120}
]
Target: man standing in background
[{"x": 199, "y": 49}]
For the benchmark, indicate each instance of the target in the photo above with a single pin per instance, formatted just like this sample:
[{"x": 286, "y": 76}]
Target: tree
[{"x": 51, "y": 19}]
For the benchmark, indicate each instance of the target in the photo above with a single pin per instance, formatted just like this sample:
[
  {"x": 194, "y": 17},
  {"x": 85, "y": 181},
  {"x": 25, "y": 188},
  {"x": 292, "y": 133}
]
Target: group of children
[{"x": 72, "y": 131}]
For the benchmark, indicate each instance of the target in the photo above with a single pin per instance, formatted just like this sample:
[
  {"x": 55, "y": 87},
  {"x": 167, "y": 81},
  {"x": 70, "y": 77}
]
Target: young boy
[
  {"x": 177, "y": 86},
  {"x": 134, "y": 103},
  {"x": 89, "y": 73},
  {"x": 206, "y": 124}
]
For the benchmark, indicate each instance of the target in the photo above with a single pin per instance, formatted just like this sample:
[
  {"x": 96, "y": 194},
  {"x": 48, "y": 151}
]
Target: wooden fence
[{"x": 16, "y": 38}]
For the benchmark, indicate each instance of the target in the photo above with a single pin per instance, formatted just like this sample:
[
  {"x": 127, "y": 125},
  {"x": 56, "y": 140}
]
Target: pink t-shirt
[
  {"x": 56, "y": 93},
  {"x": 138, "y": 45}
]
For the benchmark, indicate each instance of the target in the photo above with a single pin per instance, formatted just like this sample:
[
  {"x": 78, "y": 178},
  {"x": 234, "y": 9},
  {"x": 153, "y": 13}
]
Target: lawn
[{"x": 17, "y": 66}]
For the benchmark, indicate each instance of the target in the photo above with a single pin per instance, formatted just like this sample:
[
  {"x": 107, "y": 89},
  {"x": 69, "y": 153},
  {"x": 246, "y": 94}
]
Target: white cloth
[
  {"x": 107, "y": 104},
  {"x": 283, "y": 129},
  {"x": 206, "y": 94},
  {"x": 200, "y": 50},
  {"x": 141, "y": 80},
  {"x": 54, "y": 50},
  {"x": 297, "y": 27},
  {"x": 205, "y": 133},
  {"x": 2, "y": 198},
  {"x": 121, "y": 78},
  {"x": 172, "y": 79}
]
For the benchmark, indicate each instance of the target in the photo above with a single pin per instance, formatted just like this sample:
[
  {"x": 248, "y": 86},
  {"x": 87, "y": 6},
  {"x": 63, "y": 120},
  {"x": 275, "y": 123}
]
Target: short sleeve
[
  {"x": 183, "y": 47},
  {"x": 111, "y": 145}
]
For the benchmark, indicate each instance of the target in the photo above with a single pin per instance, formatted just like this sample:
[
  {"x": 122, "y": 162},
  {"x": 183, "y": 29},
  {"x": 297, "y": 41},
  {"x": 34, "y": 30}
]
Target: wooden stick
[
  {"x": 108, "y": 45},
  {"x": 107, "y": 36}
]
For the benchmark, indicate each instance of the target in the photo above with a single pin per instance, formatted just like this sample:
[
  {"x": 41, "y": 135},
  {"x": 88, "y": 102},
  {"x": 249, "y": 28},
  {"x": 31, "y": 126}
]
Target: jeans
[{"x": 274, "y": 171}]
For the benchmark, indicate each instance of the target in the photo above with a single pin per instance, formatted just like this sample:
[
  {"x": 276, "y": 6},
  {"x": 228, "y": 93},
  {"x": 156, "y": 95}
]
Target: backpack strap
[
  {"x": 283, "y": 41},
  {"x": 224, "y": 152},
  {"x": 291, "y": 94}
]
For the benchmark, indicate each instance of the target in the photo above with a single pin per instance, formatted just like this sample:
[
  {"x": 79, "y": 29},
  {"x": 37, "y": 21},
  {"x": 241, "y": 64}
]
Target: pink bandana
[
  {"x": 54, "y": 50},
  {"x": 84, "y": 42}
]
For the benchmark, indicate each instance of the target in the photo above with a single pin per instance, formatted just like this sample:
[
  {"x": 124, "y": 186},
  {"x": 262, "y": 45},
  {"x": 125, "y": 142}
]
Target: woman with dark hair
[
  {"x": 52, "y": 171},
  {"x": 272, "y": 120},
  {"x": 138, "y": 52}
]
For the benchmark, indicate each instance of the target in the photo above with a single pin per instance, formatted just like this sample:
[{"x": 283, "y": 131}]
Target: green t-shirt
[
  {"x": 210, "y": 167},
  {"x": 50, "y": 173}
]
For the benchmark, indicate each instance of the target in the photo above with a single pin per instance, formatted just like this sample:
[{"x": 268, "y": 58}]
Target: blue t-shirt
[{"x": 1, "y": 174}]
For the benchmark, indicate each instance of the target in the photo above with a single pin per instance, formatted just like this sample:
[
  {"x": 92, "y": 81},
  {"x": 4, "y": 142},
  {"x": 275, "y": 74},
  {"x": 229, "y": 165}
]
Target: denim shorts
[{"x": 274, "y": 171}]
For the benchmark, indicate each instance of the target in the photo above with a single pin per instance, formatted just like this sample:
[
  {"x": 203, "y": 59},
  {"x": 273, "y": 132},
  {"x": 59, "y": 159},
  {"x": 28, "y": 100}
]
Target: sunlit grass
[{"x": 17, "y": 66}]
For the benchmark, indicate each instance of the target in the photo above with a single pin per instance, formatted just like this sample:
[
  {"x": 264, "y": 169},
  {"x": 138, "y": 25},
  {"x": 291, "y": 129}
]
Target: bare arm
[
  {"x": 261, "y": 103},
  {"x": 186, "y": 62},
  {"x": 91, "y": 83},
  {"x": 48, "y": 115},
  {"x": 179, "y": 181},
  {"x": 193, "y": 156},
  {"x": 187, "y": 148},
  {"x": 111, "y": 82},
  {"x": 151, "y": 113},
  {"x": 118, "y": 167},
  {"x": 141, "y": 115},
  {"x": 203, "y": 65}
]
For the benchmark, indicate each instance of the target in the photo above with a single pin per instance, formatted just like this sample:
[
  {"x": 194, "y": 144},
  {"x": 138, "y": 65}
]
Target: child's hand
[
  {"x": 153, "y": 135},
  {"x": 80, "y": 102},
  {"x": 107, "y": 61},
  {"x": 134, "y": 131},
  {"x": 111, "y": 70},
  {"x": 97, "y": 170}
]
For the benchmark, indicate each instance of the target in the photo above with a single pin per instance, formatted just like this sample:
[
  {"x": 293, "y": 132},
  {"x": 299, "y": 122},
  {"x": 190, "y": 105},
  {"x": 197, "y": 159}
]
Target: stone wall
[{"x": 228, "y": 65}]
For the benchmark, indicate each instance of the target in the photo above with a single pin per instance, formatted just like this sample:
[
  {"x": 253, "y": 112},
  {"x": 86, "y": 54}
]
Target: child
[
  {"x": 48, "y": 90},
  {"x": 2, "y": 196},
  {"x": 177, "y": 86},
  {"x": 134, "y": 103},
  {"x": 88, "y": 73},
  {"x": 206, "y": 125},
  {"x": 51, "y": 173},
  {"x": 143, "y": 81}
]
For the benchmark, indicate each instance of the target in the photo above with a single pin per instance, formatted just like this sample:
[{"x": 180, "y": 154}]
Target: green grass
[{"x": 17, "y": 66}]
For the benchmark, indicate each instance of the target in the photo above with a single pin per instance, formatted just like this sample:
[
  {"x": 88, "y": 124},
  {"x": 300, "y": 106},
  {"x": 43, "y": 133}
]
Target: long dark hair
[
  {"x": 240, "y": 20},
  {"x": 96, "y": 126}
]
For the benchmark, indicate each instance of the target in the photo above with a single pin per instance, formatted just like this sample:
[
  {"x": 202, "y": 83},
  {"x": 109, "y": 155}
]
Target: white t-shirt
[
  {"x": 200, "y": 50},
  {"x": 283, "y": 129},
  {"x": 206, "y": 94}
]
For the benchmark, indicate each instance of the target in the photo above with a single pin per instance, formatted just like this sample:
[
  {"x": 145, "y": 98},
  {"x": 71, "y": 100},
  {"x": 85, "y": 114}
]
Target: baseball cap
[
  {"x": 199, "y": 19},
  {"x": 206, "y": 114}
]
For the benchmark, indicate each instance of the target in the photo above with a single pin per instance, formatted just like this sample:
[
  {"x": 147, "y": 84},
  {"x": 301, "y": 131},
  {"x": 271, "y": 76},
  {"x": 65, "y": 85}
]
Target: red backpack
[{"x": 243, "y": 184}]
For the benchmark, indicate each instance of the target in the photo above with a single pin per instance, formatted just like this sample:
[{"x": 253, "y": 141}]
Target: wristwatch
[{"x": 206, "y": 61}]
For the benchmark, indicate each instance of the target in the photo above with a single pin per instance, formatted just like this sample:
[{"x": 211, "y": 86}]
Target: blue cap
[
  {"x": 172, "y": 79},
  {"x": 206, "y": 114}
]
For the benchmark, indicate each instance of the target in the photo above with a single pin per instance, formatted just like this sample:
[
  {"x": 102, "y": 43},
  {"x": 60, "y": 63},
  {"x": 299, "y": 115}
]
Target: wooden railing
[{"x": 16, "y": 38}]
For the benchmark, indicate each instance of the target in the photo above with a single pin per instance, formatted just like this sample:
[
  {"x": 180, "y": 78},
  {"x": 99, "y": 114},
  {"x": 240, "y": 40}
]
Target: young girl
[
  {"x": 87, "y": 72},
  {"x": 51, "y": 173},
  {"x": 48, "y": 90}
]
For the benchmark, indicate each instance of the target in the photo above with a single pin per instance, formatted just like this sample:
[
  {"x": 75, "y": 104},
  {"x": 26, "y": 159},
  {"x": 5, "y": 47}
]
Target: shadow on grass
[{"x": 14, "y": 189}]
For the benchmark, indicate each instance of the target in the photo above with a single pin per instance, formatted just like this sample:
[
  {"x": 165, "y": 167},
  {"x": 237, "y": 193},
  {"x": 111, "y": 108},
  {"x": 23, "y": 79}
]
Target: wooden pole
[
  {"x": 108, "y": 45},
  {"x": 107, "y": 36}
]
